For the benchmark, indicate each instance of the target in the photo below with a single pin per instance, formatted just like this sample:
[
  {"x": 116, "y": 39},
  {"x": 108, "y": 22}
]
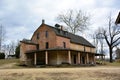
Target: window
[
  {"x": 64, "y": 44},
  {"x": 38, "y": 35},
  {"x": 46, "y": 34},
  {"x": 47, "y": 45},
  {"x": 37, "y": 46}
]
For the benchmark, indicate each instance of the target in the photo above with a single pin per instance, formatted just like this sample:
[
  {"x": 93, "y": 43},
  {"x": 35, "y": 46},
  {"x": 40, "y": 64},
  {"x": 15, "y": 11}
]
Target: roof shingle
[{"x": 73, "y": 38}]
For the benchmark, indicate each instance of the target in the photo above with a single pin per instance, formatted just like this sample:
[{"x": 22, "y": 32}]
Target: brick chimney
[{"x": 43, "y": 21}]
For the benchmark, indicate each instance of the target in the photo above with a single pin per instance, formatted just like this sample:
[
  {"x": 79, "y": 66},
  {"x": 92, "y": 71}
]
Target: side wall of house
[
  {"x": 25, "y": 47},
  {"x": 78, "y": 47}
]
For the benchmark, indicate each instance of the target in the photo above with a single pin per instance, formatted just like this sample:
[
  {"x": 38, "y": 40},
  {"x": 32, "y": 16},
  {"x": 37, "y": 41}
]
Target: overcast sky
[{"x": 22, "y": 17}]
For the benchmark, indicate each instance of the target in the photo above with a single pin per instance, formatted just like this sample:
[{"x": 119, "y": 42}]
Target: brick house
[
  {"x": 117, "y": 22},
  {"x": 118, "y": 19},
  {"x": 53, "y": 46},
  {"x": 118, "y": 53}
]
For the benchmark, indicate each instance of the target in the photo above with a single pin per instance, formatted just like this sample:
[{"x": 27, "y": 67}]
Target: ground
[
  {"x": 89, "y": 73},
  {"x": 106, "y": 72}
]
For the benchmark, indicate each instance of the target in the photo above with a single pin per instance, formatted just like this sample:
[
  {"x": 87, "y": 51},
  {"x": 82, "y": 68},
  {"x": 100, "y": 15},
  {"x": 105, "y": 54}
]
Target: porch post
[
  {"x": 87, "y": 60},
  {"x": 46, "y": 57},
  {"x": 94, "y": 58},
  {"x": 78, "y": 57},
  {"x": 35, "y": 58},
  {"x": 69, "y": 57}
]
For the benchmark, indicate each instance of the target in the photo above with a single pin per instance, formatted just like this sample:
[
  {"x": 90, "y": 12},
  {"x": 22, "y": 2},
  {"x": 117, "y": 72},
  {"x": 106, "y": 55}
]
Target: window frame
[
  {"x": 38, "y": 35},
  {"x": 46, "y": 34},
  {"x": 64, "y": 44},
  {"x": 46, "y": 45}
]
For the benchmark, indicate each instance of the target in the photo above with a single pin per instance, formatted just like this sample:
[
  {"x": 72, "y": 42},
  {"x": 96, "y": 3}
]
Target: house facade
[
  {"x": 118, "y": 19},
  {"x": 54, "y": 46},
  {"x": 117, "y": 22},
  {"x": 118, "y": 53}
]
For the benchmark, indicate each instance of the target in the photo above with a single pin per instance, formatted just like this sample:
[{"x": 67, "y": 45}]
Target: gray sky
[{"x": 22, "y": 17}]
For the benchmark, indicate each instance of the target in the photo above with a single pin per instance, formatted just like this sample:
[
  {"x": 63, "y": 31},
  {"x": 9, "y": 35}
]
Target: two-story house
[
  {"x": 117, "y": 22},
  {"x": 53, "y": 46}
]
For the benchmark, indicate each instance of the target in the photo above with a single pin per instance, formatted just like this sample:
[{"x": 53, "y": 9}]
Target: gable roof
[
  {"x": 28, "y": 42},
  {"x": 118, "y": 19},
  {"x": 73, "y": 38}
]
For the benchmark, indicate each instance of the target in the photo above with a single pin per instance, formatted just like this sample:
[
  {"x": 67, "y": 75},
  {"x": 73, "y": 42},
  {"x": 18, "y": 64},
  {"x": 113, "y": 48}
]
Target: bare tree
[
  {"x": 2, "y": 35},
  {"x": 112, "y": 36},
  {"x": 95, "y": 42},
  {"x": 11, "y": 48},
  {"x": 75, "y": 20},
  {"x": 98, "y": 40}
]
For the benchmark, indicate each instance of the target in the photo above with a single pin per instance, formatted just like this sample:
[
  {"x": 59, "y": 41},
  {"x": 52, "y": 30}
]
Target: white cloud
[{"x": 22, "y": 17}]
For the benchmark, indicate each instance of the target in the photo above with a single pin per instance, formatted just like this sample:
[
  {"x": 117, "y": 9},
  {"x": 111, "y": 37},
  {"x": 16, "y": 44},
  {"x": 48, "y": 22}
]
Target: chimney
[
  {"x": 57, "y": 25},
  {"x": 43, "y": 21}
]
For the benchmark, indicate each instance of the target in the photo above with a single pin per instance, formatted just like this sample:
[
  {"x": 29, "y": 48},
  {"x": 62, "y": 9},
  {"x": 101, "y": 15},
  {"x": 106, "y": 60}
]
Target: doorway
[
  {"x": 74, "y": 59},
  {"x": 83, "y": 60}
]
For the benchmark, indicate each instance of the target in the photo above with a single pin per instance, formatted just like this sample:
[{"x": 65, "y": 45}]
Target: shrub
[{"x": 2, "y": 55}]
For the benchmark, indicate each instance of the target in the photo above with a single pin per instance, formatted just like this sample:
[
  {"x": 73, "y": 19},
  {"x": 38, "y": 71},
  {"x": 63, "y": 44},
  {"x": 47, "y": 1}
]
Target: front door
[
  {"x": 74, "y": 59},
  {"x": 83, "y": 60}
]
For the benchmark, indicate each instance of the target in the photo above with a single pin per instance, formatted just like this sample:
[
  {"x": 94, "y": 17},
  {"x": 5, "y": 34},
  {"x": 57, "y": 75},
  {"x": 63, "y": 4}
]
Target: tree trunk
[{"x": 110, "y": 52}]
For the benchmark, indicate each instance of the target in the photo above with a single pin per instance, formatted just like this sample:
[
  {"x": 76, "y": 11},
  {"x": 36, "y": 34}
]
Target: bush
[
  {"x": 2, "y": 56},
  {"x": 17, "y": 51}
]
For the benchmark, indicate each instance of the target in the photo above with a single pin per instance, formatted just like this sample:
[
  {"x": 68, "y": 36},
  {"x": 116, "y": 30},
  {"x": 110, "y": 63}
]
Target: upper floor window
[
  {"x": 46, "y": 34},
  {"x": 47, "y": 45},
  {"x": 38, "y": 35},
  {"x": 64, "y": 44}
]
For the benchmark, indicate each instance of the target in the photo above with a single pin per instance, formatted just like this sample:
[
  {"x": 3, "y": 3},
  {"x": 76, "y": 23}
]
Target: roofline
[
  {"x": 57, "y": 49},
  {"x": 118, "y": 19},
  {"x": 28, "y": 43},
  {"x": 62, "y": 36},
  {"x": 36, "y": 30},
  {"x": 83, "y": 44}
]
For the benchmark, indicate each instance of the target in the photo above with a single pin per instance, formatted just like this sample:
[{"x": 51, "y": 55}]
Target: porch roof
[
  {"x": 56, "y": 49},
  {"x": 97, "y": 54},
  {"x": 118, "y": 19}
]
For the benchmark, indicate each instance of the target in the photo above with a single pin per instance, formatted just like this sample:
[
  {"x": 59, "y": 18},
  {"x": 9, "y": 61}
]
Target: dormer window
[
  {"x": 46, "y": 34},
  {"x": 38, "y": 35}
]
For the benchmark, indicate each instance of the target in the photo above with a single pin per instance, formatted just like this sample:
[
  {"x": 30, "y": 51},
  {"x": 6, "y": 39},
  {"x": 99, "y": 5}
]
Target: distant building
[
  {"x": 118, "y": 53},
  {"x": 117, "y": 22},
  {"x": 118, "y": 19},
  {"x": 53, "y": 46}
]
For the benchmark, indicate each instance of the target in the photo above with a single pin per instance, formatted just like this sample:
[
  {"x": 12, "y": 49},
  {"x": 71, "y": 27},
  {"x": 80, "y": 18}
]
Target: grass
[
  {"x": 117, "y": 64},
  {"x": 11, "y": 71},
  {"x": 107, "y": 63},
  {"x": 92, "y": 73},
  {"x": 8, "y": 61}
]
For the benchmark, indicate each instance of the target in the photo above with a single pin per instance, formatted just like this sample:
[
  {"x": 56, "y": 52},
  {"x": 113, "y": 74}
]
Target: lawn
[
  {"x": 88, "y": 73},
  {"x": 9, "y": 63},
  {"x": 110, "y": 71}
]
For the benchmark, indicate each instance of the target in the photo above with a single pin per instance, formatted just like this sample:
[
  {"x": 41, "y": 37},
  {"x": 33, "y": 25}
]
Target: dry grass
[
  {"x": 110, "y": 71},
  {"x": 9, "y": 63},
  {"x": 92, "y": 73}
]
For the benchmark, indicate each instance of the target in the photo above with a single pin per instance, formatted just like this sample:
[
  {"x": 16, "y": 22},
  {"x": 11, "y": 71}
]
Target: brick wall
[
  {"x": 60, "y": 40},
  {"x": 25, "y": 47},
  {"x": 51, "y": 39}
]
